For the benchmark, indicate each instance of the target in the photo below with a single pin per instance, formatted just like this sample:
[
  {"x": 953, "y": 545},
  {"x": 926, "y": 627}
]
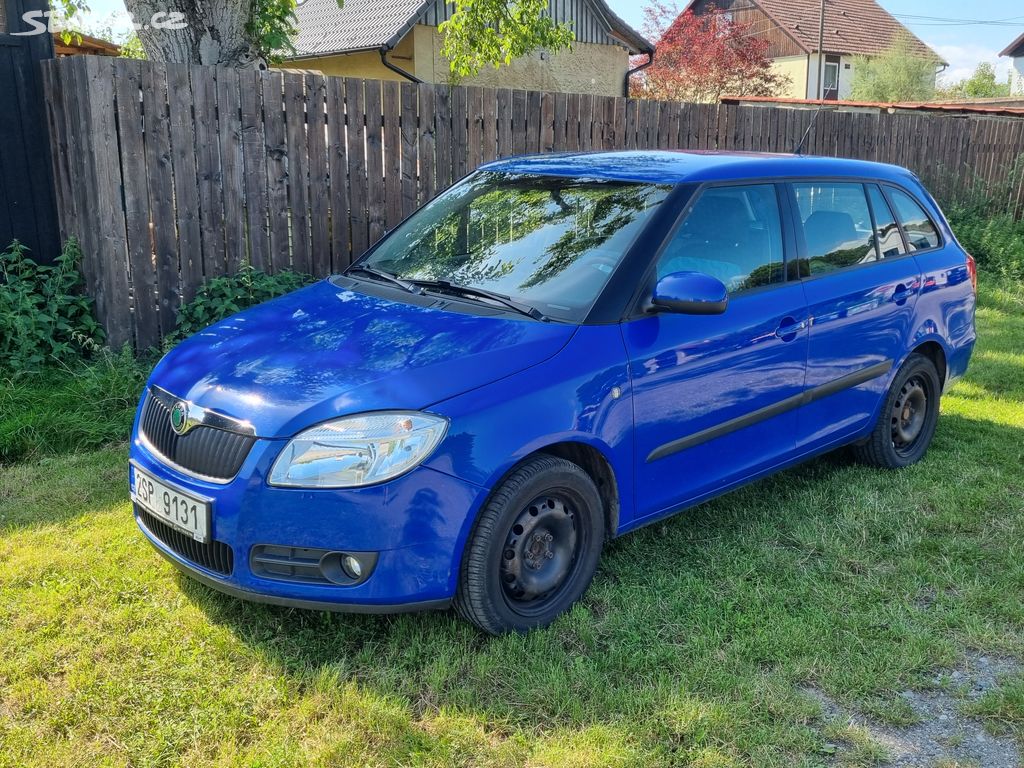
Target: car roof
[{"x": 693, "y": 166}]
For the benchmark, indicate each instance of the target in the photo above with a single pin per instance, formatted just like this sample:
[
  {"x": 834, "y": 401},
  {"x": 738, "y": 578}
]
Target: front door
[{"x": 713, "y": 395}]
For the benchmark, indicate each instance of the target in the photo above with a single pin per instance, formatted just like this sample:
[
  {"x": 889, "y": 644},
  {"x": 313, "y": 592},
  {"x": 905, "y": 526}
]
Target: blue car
[{"x": 555, "y": 351}]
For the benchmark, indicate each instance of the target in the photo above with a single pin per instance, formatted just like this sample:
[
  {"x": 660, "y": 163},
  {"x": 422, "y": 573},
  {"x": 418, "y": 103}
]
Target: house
[
  {"x": 399, "y": 39},
  {"x": 1015, "y": 51},
  {"x": 83, "y": 45},
  {"x": 793, "y": 27}
]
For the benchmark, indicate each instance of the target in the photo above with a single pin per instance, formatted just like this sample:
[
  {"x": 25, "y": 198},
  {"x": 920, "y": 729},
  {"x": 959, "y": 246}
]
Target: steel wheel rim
[
  {"x": 541, "y": 553},
  {"x": 909, "y": 414}
]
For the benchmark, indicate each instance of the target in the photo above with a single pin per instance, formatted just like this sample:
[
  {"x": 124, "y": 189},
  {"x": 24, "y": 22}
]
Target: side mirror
[{"x": 690, "y": 293}]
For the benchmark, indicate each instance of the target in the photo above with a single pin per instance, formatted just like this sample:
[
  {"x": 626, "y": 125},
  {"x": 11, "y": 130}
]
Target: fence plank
[
  {"x": 232, "y": 166},
  {"x": 504, "y": 99},
  {"x": 297, "y": 155},
  {"x": 376, "y": 203},
  {"x": 186, "y": 186},
  {"x": 208, "y": 170},
  {"x": 319, "y": 183},
  {"x": 355, "y": 113},
  {"x": 142, "y": 271},
  {"x": 277, "y": 171},
  {"x": 460, "y": 133},
  {"x": 410, "y": 148},
  {"x": 427, "y": 144},
  {"x": 474, "y": 128},
  {"x": 443, "y": 136},
  {"x": 254, "y": 168},
  {"x": 337, "y": 158},
  {"x": 518, "y": 122},
  {"x": 391, "y": 136}
]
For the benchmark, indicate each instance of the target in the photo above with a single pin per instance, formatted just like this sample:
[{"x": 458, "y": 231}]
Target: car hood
[{"x": 327, "y": 351}]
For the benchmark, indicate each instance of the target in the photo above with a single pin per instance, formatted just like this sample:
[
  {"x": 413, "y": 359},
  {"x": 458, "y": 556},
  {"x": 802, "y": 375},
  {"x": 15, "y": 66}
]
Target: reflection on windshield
[{"x": 547, "y": 241}]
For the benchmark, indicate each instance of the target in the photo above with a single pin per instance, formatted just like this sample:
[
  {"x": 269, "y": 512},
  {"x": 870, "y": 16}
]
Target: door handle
[
  {"x": 902, "y": 293},
  {"x": 789, "y": 328}
]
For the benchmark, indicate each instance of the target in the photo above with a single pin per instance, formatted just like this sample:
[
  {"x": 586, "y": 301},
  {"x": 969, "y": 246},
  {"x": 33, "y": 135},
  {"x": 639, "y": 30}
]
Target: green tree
[
  {"x": 494, "y": 32},
  {"x": 983, "y": 84},
  {"x": 899, "y": 74}
]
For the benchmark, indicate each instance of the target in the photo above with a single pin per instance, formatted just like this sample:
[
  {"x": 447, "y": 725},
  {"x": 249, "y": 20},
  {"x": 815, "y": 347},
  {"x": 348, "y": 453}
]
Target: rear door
[
  {"x": 713, "y": 396},
  {"x": 861, "y": 284}
]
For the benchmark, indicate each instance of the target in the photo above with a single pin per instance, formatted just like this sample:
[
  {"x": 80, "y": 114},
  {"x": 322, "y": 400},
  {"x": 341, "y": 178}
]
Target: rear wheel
[
  {"x": 534, "y": 549},
  {"x": 907, "y": 422}
]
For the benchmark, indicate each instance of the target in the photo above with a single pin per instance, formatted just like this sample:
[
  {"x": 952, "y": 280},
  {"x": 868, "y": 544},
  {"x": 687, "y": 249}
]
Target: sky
[{"x": 963, "y": 45}]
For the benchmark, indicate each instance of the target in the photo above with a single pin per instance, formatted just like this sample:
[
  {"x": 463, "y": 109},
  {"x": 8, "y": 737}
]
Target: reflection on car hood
[{"x": 326, "y": 351}]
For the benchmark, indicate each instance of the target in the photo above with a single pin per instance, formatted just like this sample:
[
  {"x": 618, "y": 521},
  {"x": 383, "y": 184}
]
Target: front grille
[
  {"x": 215, "y": 556},
  {"x": 208, "y": 451}
]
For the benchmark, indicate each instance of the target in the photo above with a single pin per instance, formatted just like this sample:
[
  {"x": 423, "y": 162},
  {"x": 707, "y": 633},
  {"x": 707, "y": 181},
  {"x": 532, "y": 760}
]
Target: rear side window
[
  {"x": 890, "y": 241},
  {"x": 919, "y": 229},
  {"x": 733, "y": 233},
  {"x": 837, "y": 226}
]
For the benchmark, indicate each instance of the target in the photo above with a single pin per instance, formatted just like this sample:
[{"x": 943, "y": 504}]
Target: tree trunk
[{"x": 209, "y": 31}]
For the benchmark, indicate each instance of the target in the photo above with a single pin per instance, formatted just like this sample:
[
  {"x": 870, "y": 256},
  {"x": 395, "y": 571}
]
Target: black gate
[{"x": 27, "y": 208}]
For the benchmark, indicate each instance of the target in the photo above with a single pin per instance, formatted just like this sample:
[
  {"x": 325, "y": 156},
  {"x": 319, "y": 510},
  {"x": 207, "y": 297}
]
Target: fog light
[{"x": 353, "y": 568}]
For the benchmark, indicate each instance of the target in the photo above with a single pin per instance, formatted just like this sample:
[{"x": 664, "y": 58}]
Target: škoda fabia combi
[{"x": 553, "y": 352}]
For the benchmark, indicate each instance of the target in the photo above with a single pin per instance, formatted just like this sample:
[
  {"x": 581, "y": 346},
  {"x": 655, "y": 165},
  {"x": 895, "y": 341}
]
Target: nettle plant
[
  {"x": 45, "y": 317},
  {"x": 221, "y": 297}
]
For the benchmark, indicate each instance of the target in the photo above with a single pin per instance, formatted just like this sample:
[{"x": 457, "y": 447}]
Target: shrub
[
  {"x": 996, "y": 240},
  {"x": 222, "y": 297},
  {"x": 44, "y": 317},
  {"x": 67, "y": 408}
]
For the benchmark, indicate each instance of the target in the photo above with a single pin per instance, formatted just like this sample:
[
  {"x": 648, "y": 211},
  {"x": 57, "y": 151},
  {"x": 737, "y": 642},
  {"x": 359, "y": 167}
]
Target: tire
[
  {"x": 534, "y": 548},
  {"x": 906, "y": 425}
]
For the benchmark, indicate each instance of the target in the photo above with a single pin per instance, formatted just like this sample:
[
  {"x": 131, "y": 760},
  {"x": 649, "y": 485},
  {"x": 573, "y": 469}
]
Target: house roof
[
  {"x": 362, "y": 25},
  {"x": 1016, "y": 48},
  {"x": 851, "y": 26},
  {"x": 80, "y": 44}
]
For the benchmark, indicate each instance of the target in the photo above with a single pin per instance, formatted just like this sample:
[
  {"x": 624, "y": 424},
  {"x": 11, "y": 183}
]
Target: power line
[{"x": 943, "y": 21}]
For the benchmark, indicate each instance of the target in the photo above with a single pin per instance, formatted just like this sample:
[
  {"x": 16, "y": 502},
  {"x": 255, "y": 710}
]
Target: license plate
[{"x": 187, "y": 513}]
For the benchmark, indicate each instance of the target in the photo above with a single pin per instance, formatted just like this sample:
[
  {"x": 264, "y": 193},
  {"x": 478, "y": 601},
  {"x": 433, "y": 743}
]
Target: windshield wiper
[
  {"x": 385, "y": 277},
  {"x": 482, "y": 293}
]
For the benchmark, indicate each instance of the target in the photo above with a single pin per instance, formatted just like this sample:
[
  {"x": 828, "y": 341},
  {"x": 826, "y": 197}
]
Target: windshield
[{"x": 547, "y": 242}]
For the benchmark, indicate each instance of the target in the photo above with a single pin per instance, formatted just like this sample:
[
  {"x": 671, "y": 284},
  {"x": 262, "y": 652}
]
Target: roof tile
[{"x": 851, "y": 26}]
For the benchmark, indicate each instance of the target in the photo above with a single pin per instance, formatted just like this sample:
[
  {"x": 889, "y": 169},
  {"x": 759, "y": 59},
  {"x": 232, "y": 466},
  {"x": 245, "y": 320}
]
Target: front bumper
[{"x": 417, "y": 524}]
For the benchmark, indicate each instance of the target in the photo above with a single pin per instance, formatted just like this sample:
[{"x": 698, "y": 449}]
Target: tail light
[{"x": 972, "y": 271}]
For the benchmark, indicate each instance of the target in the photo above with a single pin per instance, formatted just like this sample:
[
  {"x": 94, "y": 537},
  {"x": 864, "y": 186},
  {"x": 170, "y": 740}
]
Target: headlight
[{"x": 358, "y": 450}]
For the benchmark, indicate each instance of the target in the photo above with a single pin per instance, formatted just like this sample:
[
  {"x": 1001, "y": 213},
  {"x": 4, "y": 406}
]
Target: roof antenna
[{"x": 799, "y": 149}]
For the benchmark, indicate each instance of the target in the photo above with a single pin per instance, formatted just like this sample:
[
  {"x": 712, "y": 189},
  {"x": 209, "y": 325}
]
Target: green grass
[
  {"x": 64, "y": 409},
  {"x": 690, "y": 649}
]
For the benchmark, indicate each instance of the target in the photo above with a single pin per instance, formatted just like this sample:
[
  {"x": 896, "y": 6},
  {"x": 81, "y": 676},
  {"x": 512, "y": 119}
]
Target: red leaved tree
[{"x": 702, "y": 58}]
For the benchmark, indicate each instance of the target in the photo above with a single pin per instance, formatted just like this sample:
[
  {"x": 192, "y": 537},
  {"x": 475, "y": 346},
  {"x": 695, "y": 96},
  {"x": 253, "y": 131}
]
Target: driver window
[{"x": 732, "y": 233}]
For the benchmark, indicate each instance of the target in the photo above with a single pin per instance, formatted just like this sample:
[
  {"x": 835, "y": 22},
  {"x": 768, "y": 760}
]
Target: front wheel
[
  {"x": 534, "y": 548},
  {"x": 907, "y": 422}
]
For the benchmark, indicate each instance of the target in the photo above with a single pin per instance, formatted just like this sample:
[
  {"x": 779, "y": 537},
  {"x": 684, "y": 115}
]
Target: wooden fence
[
  {"x": 170, "y": 174},
  {"x": 27, "y": 211}
]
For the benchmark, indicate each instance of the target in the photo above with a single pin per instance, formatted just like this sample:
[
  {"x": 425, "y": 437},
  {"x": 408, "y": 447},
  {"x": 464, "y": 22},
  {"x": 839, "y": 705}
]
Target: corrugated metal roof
[
  {"x": 895, "y": 106},
  {"x": 357, "y": 25}
]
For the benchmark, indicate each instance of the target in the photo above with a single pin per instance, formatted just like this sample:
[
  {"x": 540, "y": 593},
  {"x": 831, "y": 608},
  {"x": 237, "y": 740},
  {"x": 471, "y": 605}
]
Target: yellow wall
[
  {"x": 362, "y": 64},
  {"x": 588, "y": 68},
  {"x": 795, "y": 68}
]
